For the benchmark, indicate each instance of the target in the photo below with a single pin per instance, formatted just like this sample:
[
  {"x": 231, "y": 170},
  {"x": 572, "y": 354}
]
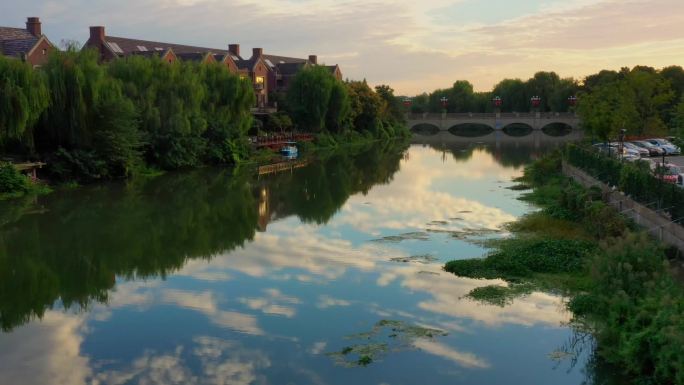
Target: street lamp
[
  {"x": 444, "y": 101},
  {"x": 572, "y": 100},
  {"x": 622, "y": 145},
  {"x": 497, "y": 101},
  {"x": 536, "y": 101},
  {"x": 407, "y": 102}
]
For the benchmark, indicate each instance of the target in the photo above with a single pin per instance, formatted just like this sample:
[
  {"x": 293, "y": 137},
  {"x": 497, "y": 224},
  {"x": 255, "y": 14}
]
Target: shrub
[{"x": 12, "y": 181}]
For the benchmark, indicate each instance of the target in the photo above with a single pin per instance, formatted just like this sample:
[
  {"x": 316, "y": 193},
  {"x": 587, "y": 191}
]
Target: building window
[
  {"x": 260, "y": 80},
  {"x": 44, "y": 51}
]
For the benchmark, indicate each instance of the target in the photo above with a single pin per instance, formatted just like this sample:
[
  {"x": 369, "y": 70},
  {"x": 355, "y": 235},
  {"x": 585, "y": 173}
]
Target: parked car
[
  {"x": 653, "y": 150},
  {"x": 626, "y": 151},
  {"x": 669, "y": 148},
  {"x": 642, "y": 151},
  {"x": 671, "y": 173},
  {"x": 613, "y": 149}
]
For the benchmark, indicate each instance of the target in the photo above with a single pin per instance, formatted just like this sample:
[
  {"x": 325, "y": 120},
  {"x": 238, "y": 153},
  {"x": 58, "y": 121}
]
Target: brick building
[
  {"x": 27, "y": 44},
  {"x": 268, "y": 73}
]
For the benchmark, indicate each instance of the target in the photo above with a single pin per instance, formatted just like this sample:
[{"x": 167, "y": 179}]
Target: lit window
[{"x": 260, "y": 80}]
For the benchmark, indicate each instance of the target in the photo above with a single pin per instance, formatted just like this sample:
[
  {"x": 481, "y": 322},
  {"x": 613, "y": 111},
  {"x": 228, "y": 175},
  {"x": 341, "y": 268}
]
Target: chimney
[
  {"x": 97, "y": 33},
  {"x": 313, "y": 59},
  {"x": 34, "y": 27},
  {"x": 234, "y": 49},
  {"x": 257, "y": 52}
]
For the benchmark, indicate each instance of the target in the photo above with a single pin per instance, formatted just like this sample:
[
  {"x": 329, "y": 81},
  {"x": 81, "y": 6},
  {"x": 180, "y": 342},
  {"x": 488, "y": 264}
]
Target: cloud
[
  {"x": 467, "y": 360},
  {"x": 325, "y": 302},
  {"x": 39, "y": 352},
  {"x": 318, "y": 347},
  {"x": 222, "y": 362},
  {"x": 273, "y": 303},
  {"x": 414, "y": 46}
]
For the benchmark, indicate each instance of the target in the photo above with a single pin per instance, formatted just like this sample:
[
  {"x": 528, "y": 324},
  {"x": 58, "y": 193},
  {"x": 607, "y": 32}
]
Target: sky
[{"x": 414, "y": 46}]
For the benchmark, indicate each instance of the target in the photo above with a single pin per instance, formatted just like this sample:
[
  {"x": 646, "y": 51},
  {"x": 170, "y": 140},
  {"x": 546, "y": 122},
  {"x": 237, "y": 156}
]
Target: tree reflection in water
[{"x": 71, "y": 246}]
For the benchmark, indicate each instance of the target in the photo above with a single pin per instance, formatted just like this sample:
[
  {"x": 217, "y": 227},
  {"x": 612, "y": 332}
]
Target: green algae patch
[
  {"x": 519, "y": 258},
  {"x": 387, "y": 336},
  {"x": 422, "y": 258},
  {"x": 412, "y": 236},
  {"x": 500, "y": 295}
]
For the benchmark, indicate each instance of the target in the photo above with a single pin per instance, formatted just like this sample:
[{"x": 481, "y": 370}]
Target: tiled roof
[
  {"x": 15, "y": 41},
  {"x": 192, "y": 56},
  {"x": 129, "y": 46},
  {"x": 284, "y": 59},
  {"x": 290, "y": 68}
]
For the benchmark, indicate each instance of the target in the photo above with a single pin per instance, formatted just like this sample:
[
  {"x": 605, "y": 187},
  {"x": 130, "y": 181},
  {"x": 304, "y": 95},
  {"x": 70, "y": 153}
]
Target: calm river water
[{"x": 326, "y": 274}]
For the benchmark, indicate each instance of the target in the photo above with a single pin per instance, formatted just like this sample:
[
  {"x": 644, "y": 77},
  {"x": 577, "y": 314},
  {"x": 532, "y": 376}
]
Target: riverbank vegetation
[
  {"x": 93, "y": 121},
  {"x": 617, "y": 279}
]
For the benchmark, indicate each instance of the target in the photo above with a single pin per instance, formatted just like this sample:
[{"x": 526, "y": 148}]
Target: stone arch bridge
[{"x": 495, "y": 121}]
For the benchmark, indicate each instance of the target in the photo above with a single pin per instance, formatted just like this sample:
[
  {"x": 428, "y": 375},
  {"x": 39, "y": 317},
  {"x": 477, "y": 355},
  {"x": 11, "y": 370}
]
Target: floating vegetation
[
  {"x": 437, "y": 223},
  {"x": 560, "y": 355},
  {"x": 465, "y": 212},
  {"x": 500, "y": 295},
  {"x": 387, "y": 336},
  {"x": 522, "y": 258},
  {"x": 519, "y": 187},
  {"x": 456, "y": 219},
  {"x": 423, "y": 258},
  {"x": 428, "y": 272},
  {"x": 467, "y": 234},
  {"x": 415, "y": 236}
]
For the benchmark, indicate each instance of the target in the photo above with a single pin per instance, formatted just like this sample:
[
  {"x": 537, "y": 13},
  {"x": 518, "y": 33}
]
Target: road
[{"x": 677, "y": 160}]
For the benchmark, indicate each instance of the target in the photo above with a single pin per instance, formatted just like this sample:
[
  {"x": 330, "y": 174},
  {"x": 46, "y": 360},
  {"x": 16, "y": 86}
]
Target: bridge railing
[{"x": 488, "y": 116}]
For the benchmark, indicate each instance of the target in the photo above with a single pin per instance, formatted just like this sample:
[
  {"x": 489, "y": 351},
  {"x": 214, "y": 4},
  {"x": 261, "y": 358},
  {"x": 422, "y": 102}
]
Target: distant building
[
  {"x": 268, "y": 73},
  {"x": 27, "y": 44}
]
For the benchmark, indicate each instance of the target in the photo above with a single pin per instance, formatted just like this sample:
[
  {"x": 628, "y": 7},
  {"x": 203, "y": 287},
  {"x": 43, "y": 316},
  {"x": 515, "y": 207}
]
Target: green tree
[
  {"x": 23, "y": 98},
  {"x": 309, "y": 98},
  {"x": 227, "y": 104},
  {"x": 366, "y": 107},
  {"x": 90, "y": 127},
  {"x": 513, "y": 94},
  {"x": 170, "y": 99},
  {"x": 394, "y": 107},
  {"x": 608, "y": 109},
  {"x": 544, "y": 85},
  {"x": 339, "y": 108}
]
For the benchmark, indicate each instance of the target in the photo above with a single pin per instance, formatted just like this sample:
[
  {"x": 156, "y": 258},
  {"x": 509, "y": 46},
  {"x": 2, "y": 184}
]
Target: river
[{"x": 325, "y": 274}]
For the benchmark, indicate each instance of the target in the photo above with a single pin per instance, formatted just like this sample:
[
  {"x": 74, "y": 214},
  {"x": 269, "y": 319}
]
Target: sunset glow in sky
[{"x": 414, "y": 46}]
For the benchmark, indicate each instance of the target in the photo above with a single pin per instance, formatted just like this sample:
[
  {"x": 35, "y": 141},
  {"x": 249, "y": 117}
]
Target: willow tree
[
  {"x": 23, "y": 98},
  {"x": 90, "y": 128},
  {"x": 309, "y": 96},
  {"x": 227, "y": 104},
  {"x": 169, "y": 99}
]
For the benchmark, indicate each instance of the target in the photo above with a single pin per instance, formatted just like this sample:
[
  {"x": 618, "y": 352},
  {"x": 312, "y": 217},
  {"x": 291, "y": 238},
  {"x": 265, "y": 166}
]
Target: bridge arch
[
  {"x": 518, "y": 129},
  {"x": 425, "y": 129},
  {"x": 557, "y": 129},
  {"x": 471, "y": 130}
]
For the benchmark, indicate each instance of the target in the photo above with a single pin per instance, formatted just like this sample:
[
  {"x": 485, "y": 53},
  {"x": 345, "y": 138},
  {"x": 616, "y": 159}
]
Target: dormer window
[{"x": 44, "y": 51}]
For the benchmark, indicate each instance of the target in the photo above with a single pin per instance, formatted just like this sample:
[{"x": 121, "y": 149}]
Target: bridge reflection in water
[{"x": 509, "y": 150}]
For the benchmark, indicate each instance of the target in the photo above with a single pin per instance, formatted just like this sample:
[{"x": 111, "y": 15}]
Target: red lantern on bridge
[
  {"x": 536, "y": 101},
  {"x": 497, "y": 101},
  {"x": 407, "y": 102},
  {"x": 444, "y": 101},
  {"x": 572, "y": 100}
]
